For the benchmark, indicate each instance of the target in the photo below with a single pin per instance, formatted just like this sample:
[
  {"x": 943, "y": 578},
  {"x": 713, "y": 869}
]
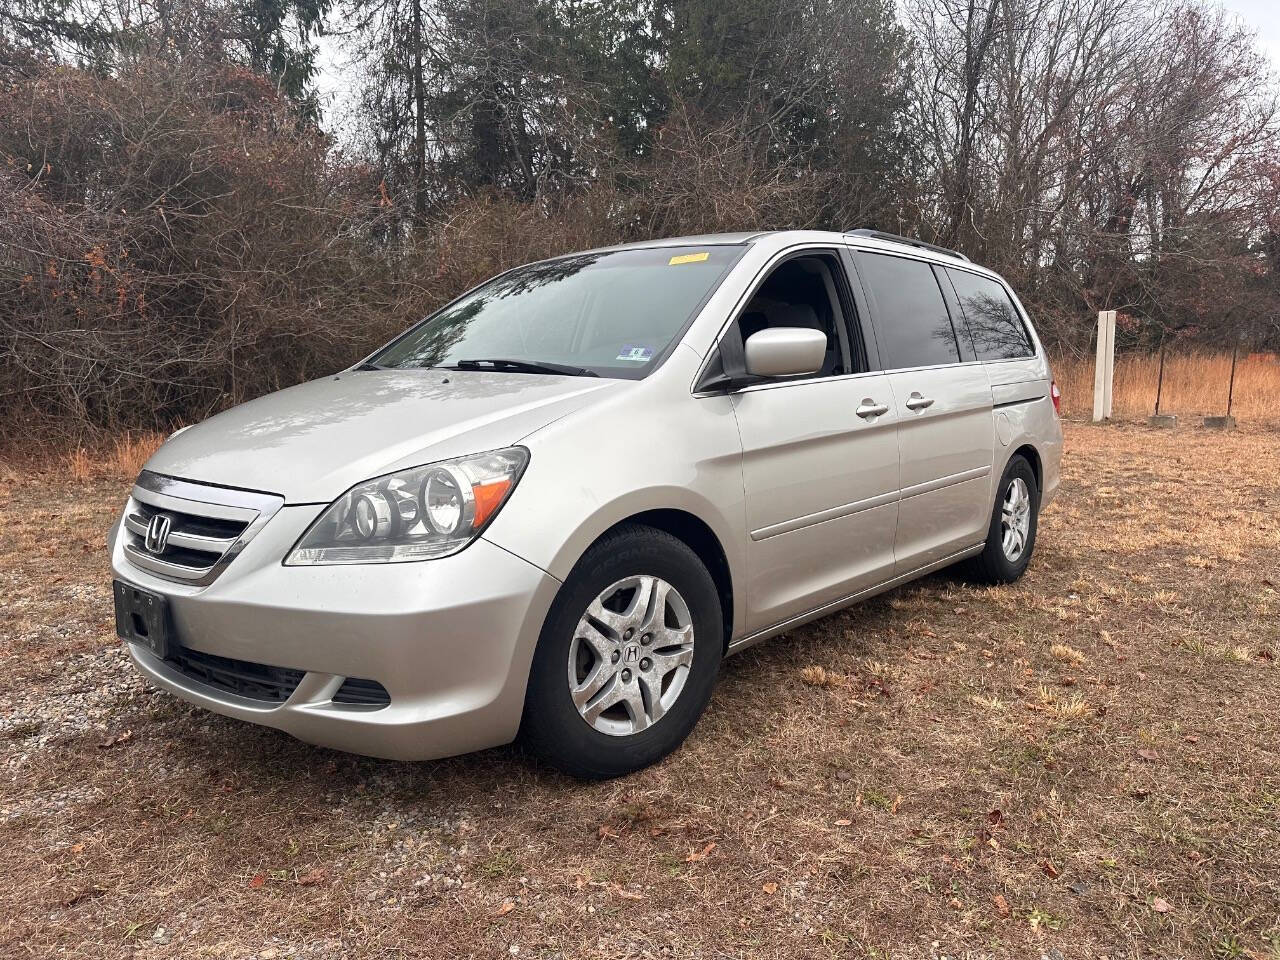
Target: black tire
[
  {"x": 552, "y": 728},
  {"x": 992, "y": 566}
]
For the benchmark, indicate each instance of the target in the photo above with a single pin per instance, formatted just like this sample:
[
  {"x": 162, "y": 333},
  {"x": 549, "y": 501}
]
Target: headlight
[{"x": 416, "y": 514}]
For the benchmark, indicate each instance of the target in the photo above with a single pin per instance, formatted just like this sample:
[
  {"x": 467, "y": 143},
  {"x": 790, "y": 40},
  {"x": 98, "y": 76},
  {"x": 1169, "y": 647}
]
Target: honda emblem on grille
[{"x": 158, "y": 533}]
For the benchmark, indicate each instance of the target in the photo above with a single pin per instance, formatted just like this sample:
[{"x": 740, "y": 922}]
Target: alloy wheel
[
  {"x": 1015, "y": 519},
  {"x": 630, "y": 655}
]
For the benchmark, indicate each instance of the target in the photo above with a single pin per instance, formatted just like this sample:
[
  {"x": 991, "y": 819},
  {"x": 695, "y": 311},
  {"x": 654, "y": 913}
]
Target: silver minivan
[{"x": 550, "y": 509}]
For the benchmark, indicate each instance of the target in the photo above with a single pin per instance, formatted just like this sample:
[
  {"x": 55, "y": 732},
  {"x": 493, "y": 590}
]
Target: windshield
[{"x": 613, "y": 314}]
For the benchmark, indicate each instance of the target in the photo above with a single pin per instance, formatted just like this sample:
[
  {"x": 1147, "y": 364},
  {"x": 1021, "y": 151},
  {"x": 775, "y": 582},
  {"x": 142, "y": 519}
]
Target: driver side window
[{"x": 806, "y": 291}]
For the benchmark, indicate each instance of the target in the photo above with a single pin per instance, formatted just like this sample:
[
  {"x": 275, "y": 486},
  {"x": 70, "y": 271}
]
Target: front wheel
[
  {"x": 1011, "y": 537},
  {"x": 627, "y": 658}
]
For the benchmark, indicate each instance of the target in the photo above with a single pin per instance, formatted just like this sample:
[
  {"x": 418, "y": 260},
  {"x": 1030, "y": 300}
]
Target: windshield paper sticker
[
  {"x": 636, "y": 354},
  {"x": 688, "y": 258}
]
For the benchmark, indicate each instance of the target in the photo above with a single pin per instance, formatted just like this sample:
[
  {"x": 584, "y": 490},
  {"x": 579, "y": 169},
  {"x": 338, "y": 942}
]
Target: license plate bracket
[{"x": 142, "y": 617}]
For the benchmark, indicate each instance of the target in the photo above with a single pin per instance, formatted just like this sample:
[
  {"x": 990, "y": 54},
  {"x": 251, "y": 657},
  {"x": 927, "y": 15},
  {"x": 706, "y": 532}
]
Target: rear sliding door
[{"x": 942, "y": 401}]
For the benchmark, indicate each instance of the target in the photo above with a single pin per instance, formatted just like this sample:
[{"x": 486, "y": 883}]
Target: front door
[
  {"x": 819, "y": 455},
  {"x": 821, "y": 492}
]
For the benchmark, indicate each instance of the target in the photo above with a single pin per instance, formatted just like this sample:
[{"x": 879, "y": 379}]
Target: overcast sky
[{"x": 1263, "y": 16}]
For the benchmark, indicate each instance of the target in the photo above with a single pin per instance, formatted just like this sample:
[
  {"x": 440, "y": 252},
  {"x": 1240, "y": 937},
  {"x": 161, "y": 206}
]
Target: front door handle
[
  {"x": 917, "y": 402},
  {"x": 869, "y": 408}
]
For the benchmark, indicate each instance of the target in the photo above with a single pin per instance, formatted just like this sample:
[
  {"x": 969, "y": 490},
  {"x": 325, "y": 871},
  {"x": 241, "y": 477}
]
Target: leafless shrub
[
  {"x": 176, "y": 236},
  {"x": 171, "y": 240}
]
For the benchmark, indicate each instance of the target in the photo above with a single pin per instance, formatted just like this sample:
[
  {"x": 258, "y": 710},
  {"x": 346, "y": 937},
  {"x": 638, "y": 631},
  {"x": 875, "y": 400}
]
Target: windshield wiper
[
  {"x": 367, "y": 365},
  {"x": 523, "y": 366}
]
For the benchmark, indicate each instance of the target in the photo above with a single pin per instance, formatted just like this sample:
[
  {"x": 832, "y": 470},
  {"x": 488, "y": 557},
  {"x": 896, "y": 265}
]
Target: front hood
[{"x": 314, "y": 441}]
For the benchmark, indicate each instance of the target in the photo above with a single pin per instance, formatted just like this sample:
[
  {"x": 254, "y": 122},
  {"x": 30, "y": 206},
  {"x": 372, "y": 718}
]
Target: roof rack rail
[{"x": 895, "y": 238}]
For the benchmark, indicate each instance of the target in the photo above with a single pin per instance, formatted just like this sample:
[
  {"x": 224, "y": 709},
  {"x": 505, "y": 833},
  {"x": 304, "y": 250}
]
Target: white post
[
  {"x": 1111, "y": 361},
  {"x": 1105, "y": 366}
]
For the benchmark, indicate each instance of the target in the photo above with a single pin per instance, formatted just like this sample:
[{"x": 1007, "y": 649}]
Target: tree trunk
[
  {"x": 978, "y": 39},
  {"x": 419, "y": 120}
]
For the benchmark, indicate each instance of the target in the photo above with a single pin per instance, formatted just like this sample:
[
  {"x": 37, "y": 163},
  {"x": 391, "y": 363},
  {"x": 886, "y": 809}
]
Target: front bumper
[{"x": 451, "y": 640}]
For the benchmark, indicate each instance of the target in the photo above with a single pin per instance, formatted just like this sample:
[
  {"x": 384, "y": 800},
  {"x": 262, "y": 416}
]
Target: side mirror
[{"x": 785, "y": 352}]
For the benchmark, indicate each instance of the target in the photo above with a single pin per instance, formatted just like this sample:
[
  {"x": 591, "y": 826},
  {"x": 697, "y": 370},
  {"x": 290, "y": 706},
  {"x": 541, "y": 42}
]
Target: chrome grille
[{"x": 204, "y": 526}]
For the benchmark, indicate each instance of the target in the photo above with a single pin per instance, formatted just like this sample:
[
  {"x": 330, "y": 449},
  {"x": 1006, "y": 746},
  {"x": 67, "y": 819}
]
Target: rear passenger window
[
  {"x": 913, "y": 328},
  {"x": 992, "y": 319}
]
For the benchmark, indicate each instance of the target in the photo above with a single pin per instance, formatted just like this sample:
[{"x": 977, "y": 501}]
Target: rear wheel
[
  {"x": 1011, "y": 537},
  {"x": 627, "y": 658}
]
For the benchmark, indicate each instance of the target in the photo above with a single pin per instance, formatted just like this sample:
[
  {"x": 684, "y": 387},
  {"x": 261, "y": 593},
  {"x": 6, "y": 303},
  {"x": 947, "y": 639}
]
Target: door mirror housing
[{"x": 785, "y": 352}]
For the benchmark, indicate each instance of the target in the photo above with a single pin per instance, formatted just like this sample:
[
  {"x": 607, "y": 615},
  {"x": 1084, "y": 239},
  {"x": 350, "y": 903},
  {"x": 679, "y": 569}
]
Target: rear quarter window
[{"x": 992, "y": 319}]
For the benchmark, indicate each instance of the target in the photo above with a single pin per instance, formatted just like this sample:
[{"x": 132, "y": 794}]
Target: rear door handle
[
  {"x": 869, "y": 408},
  {"x": 917, "y": 402}
]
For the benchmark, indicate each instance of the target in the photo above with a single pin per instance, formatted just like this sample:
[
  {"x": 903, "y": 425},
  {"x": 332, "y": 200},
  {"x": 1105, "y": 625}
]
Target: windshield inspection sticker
[
  {"x": 688, "y": 258},
  {"x": 636, "y": 354}
]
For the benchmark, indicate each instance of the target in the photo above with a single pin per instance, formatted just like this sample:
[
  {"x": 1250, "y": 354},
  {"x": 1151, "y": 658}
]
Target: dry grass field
[
  {"x": 1085, "y": 764},
  {"x": 1195, "y": 384}
]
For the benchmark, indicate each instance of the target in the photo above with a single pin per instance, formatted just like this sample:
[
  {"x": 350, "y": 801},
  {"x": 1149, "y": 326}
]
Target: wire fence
[{"x": 1244, "y": 383}]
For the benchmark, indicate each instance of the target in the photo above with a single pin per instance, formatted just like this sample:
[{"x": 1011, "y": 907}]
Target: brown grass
[
  {"x": 121, "y": 458},
  {"x": 921, "y": 776},
  {"x": 1067, "y": 654},
  {"x": 1195, "y": 384}
]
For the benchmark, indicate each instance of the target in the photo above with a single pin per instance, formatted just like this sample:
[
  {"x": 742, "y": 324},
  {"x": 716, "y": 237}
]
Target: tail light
[{"x": 1056, "y": 395}]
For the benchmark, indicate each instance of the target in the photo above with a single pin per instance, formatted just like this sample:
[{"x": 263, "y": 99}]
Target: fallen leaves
[
  {"x": 80, "y": 896},
  {"x": 1160, "y": 906},
  {"x": 507, "y": 907},
  {"x": 259, "y": 880},
  {"x": 582, "y": 881},
  {"x": 697, "y": 856},
  {"x": 115, "y": 741},
  {"x": 313, "y": 878},
  {"x": 1002, "y": 905},
  {"x": 770, "y": 888},
  {"x": 987, "y": 831}
]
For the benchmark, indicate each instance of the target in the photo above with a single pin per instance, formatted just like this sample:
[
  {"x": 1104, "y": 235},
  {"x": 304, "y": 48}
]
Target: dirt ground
[{"x": 1085, "y": 764}]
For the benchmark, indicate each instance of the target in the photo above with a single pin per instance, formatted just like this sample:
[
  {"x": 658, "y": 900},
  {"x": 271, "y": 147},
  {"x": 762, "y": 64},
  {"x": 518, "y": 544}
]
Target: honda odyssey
[{"x": 549, "y": 510}]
